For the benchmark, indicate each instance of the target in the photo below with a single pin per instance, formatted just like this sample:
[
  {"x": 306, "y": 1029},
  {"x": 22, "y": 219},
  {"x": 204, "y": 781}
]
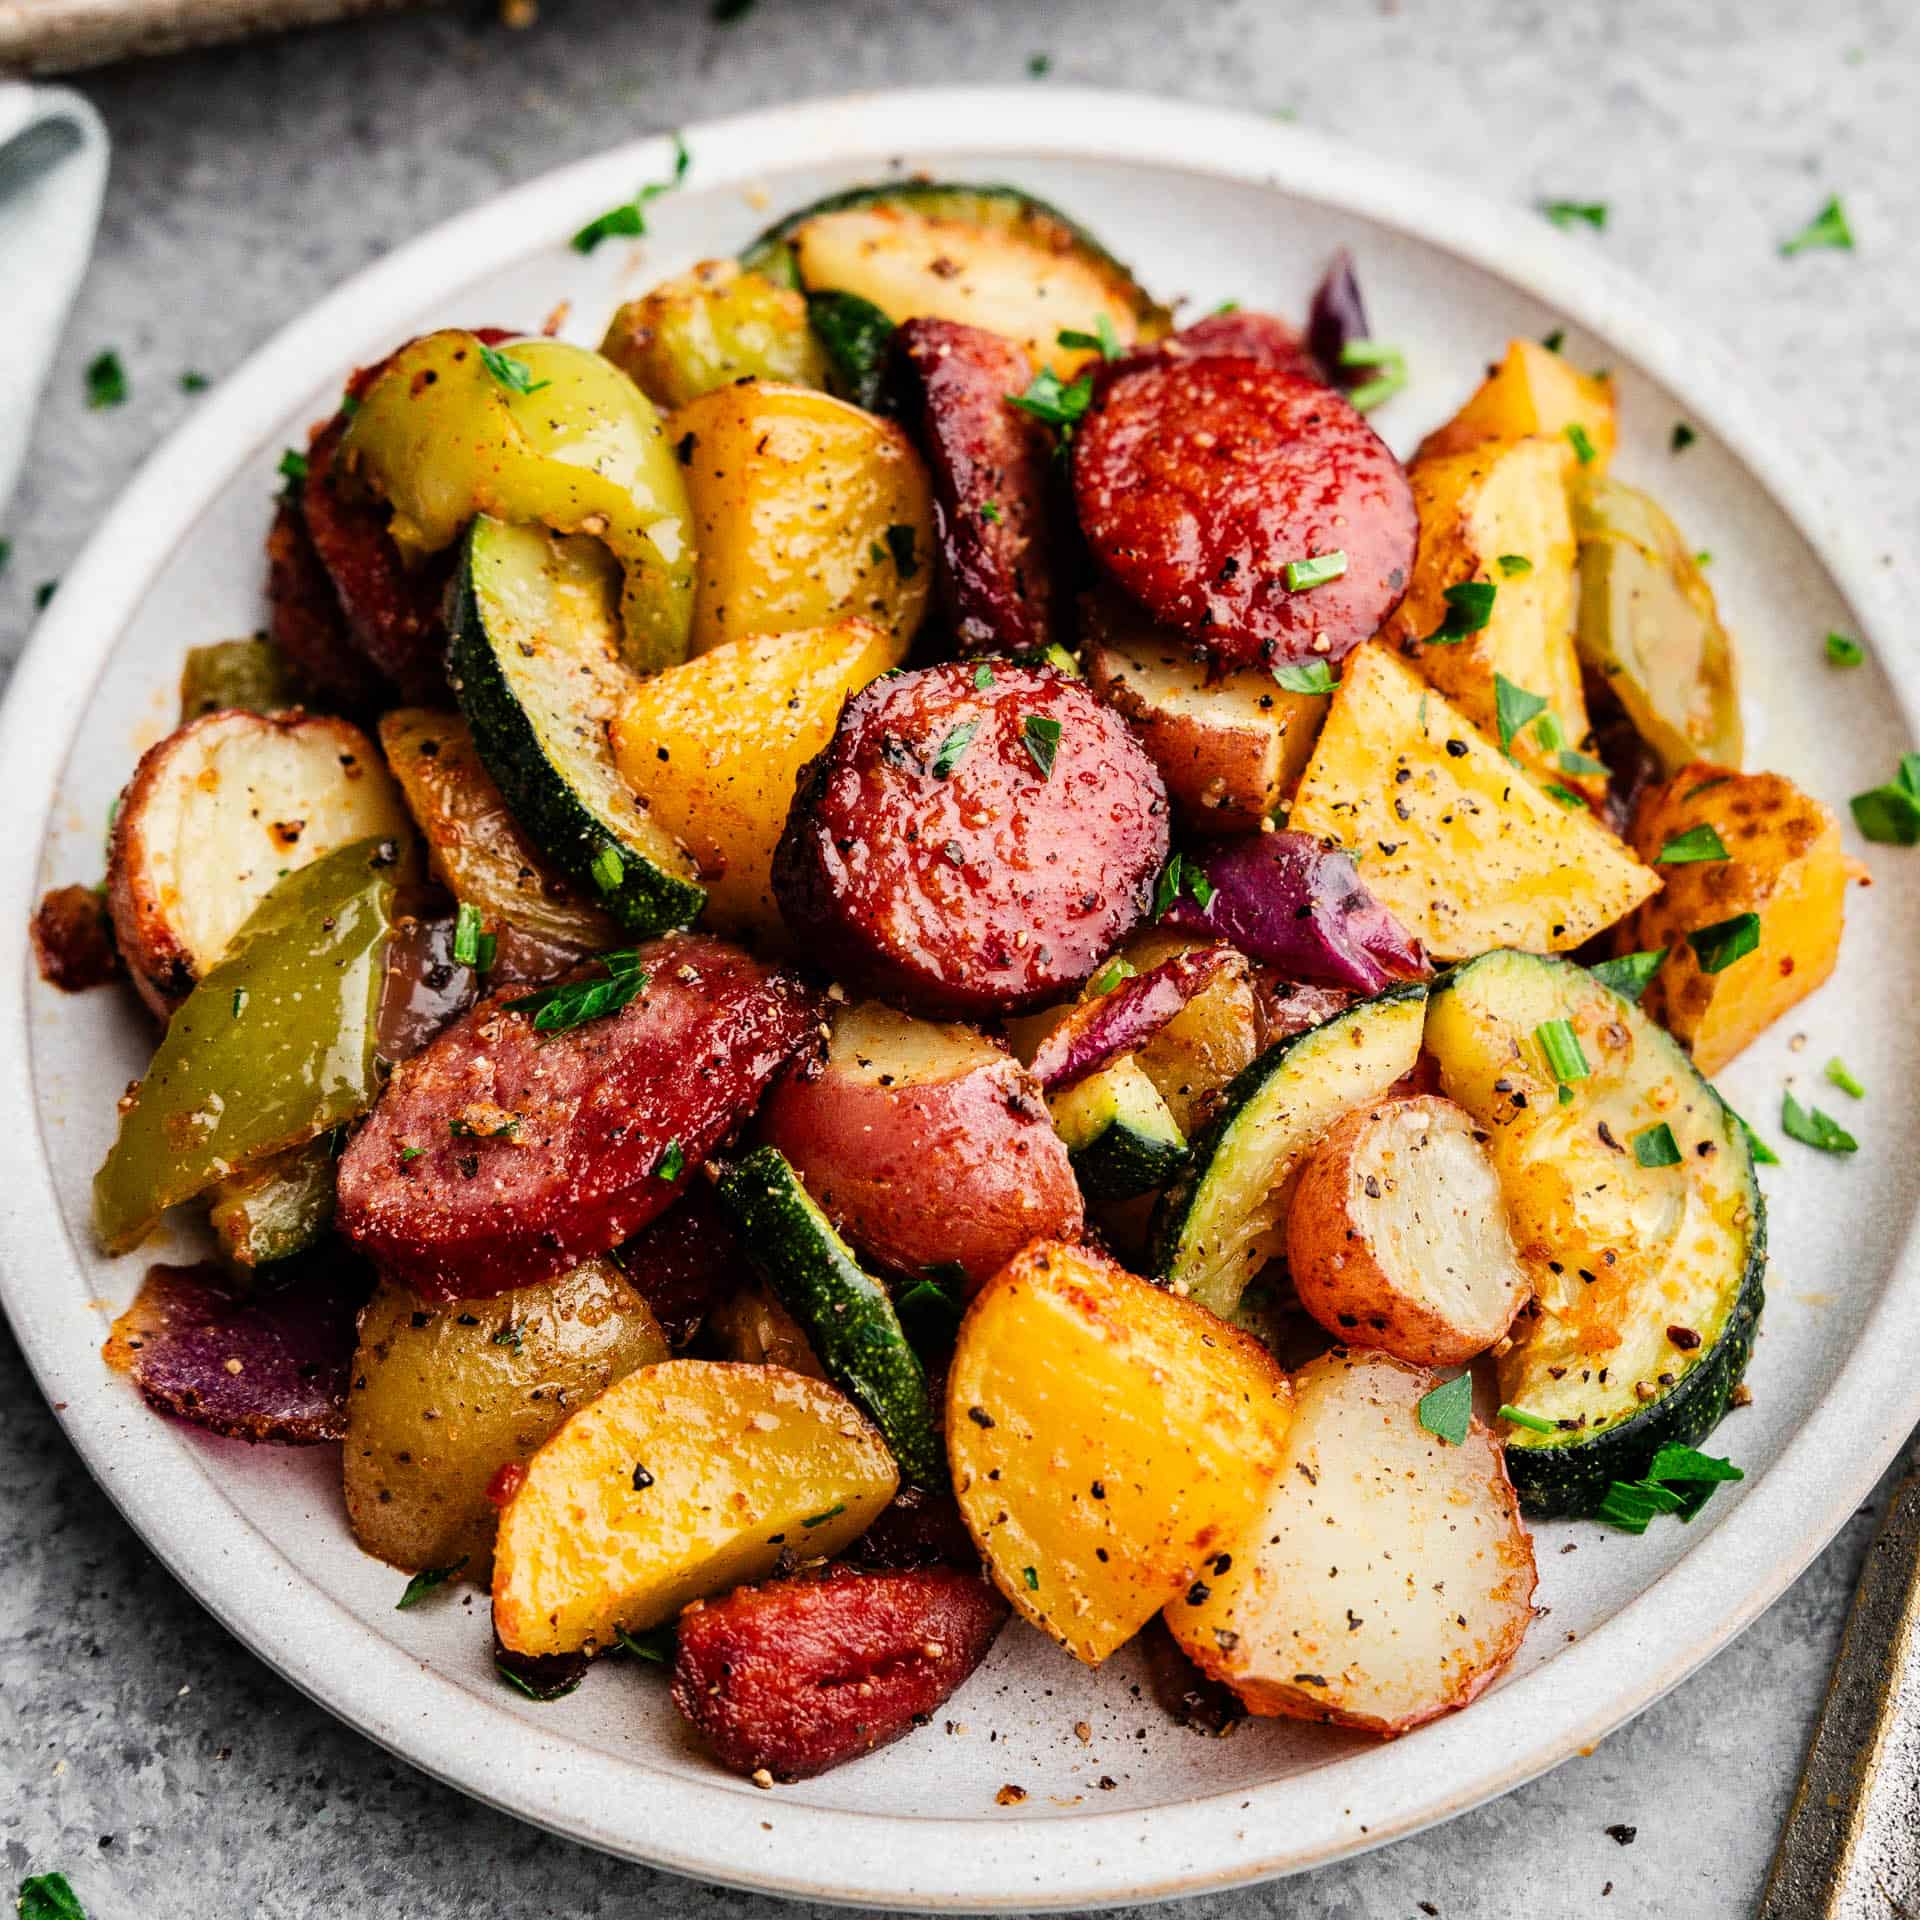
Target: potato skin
[
  {"x": 960, "y": 1167},
  {"x": 442, "y": 1399},
  {"x": 1339, "y": 1252},
  {"x": 1785, "y": 862}
]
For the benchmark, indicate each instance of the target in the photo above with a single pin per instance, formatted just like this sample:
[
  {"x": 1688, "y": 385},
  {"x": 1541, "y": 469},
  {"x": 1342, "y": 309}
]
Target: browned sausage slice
[
  {"x": 1264, "y": 337},
  {"x": 974, "y": 839},
  {"x": 306, "y": 621},
  {"x": 991, "y": 467},
  {"x": 1198, "y": 481},
  {"x": 500, "y": 1155}
]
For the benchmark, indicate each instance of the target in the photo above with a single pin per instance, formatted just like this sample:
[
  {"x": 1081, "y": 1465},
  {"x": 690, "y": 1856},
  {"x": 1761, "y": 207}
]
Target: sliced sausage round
[
  {"x": 306, "y": 621},
  {"x": 974, "y": 839},
  {"x": 992, "y": 482},
  {"x": 500, "y": 1154},
  {"x": 1264, "y": 337},
  {"x": 1198, "y": 481}
]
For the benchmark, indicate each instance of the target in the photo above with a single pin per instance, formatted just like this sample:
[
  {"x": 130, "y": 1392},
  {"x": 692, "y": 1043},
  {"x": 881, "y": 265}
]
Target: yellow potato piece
[
  {"x": 1533, "y": 390},
  {"x": 1785, "y": 863},
  {"x": 1465, "y": 851},
  {"x": 806, "y": 511},
  {"x": 716, "y": 745},
  {"x": 1497, "y": 514},
  {"x": 681, "y": 1480},
  {"x": 1109, "y": 1440}
]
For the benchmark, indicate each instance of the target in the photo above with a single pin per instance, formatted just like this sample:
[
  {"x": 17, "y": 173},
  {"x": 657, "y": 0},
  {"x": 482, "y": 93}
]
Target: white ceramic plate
[{"x": 1210, "y": 205}]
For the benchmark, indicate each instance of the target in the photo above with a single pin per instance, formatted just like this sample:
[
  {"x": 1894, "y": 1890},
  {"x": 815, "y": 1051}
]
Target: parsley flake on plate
[
  {"x": 629, "y": 219},
  {"x": 1827, "y": 228},
  {"x": 106, "y": 380}
]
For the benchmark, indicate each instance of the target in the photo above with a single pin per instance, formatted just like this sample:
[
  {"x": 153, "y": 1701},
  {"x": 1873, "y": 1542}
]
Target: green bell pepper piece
[{"x": 275, "y": 1045}]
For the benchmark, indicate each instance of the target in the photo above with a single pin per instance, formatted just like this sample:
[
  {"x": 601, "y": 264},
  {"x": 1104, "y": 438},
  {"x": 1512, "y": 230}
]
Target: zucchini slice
[
  {"x": 534, "y": 661},
  {"x": 1636, "y": 1212},
  {"x": 1121, "y": 1136},
  {"x": 988, "y": 256},
  {"x": 1224, "y": 1218},
  {"x": 846, "y": 1314}
]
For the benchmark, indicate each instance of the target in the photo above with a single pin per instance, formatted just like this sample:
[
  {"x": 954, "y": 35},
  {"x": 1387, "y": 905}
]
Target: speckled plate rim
[{"x": 719, "y": 1828}]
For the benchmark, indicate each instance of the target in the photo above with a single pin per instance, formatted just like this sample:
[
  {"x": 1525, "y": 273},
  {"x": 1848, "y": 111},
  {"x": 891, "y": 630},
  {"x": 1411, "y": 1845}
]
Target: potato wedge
[
  {"x": 1465, "y": 851},
  {"x": 444, "y": 1397},
  {"x": 926, "y": 1145},
  {"x": 806, "y": 512},
  {"x": 1389, "y": 1579},
  {"x": 715, "y": 746},
  {"x": 1230, "y": 748},
  {"x": 1496, "y": 515},
  {"x": 475, "y": 847},
  {"x": 1110, "y": 1442},
  {"x": 219, "y": 812},
  {"x": 1531, "y": 391},
  {"x": 1784, "y": 864},
  {"x": 1397, "y": 1237},
  {"x": 710, "y": 327},
  {"x": 681, "y": 1480},
  {"x": 1194, "y": 1057}
]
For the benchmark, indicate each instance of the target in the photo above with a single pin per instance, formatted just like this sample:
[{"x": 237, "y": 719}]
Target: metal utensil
[{"x": 1851, "y": 1847}]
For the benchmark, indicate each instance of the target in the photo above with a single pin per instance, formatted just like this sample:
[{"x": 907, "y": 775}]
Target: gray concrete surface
[{"x": 141, "y": 1750}]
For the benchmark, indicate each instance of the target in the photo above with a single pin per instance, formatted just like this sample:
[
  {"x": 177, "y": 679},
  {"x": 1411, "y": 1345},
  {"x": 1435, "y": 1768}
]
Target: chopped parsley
[
  {"x": 1838, "y": 1074},
  {"x": 656, "y": 1645},
  {"x": 1717, "y": 947},
  {"x": 821, "y": 1519},
  {"x": 1566, "y": 795},
  {"x": 1573, "y": 762},
  {"x": 673, "y": 1162},
  {"x": 1514, "y": 564},
  {"x": 293, "y": 466},
  {"x": 1555, "y": 340},
  {"x": 1655, "y": 1146},
  {"x": 1058, "y": 403},
  {"x": 1469, "y": 608},
  {"x": 1581, "y": 442},
  {"x": 509, "y": 1336},
  {"x": 1039, "y": 65},
  {"x": 1683, "y": 437},
  {"x": 106, "y": 380},
  {"x": 1513, "y": 708},
  {"x": 1103, "y": 341},
  {"x": 1890, "y": 814},
  {"x": 990, "y": 512},
  {"x": 47, "y": 1896},
  {"x": 556, "y": 1009},
  {"x": 1696, "y": 846},
  {"x": 1447, "y": 1411},
  {"x": 629, "y": 220},
  {"x": 1827, "y": 228},
  {"x": 535, "y": 1690},
  {"x": 982, "y": 677},
  {"x": 1314, "y": 571},
  {"x": 1812, "y": 1128},
  {"x": 959, "y": 740},
  {"x": 1631, "y": 1504},
  {"x": 1566, "y": 1058},
  {"x": 1391, "y": 361},
  {"x": 512, "y": 374},
  {"x": 1630, "y": 974},
  {"x": 1117, "y": 969},
  {"x": 901, "y": 540},
  {"x": 1573, "y": 213},
  {"x": 1041, "y": 737},
  {"x": 1520, "y": 1417},
  {"x": 930, "y": 1309},
  {"x": 1306, "y": 676},
  {"x": 191, "y": 382},
  {"x": 408, "y": 1155},
  {"x": 1844, "y": 650},
  {"x": 424, "y": 1582},
  {"x": 43, "y": 593},
  {"x": 1181, "y": 875}
]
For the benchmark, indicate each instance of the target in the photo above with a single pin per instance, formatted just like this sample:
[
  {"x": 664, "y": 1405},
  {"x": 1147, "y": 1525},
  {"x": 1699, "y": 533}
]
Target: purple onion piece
[
  {"x": 1099, "y": 1031},
  {"x": 267, "y": 1365},
  {"x": 1336, "y": 319},
  {"x": 1285, "y": 899}
]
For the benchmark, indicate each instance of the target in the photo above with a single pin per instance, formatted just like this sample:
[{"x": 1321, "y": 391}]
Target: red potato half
[
  {"x": 213, "y": 818},
  {"x": 927, "y": 1145},
  {"x": 1389, "y": 1579},
  {"x": 1397, "y": 1237}
]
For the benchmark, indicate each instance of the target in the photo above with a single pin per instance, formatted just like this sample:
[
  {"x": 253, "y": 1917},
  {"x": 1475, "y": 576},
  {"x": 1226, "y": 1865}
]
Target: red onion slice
[{"x": 1099, "y": 1031}]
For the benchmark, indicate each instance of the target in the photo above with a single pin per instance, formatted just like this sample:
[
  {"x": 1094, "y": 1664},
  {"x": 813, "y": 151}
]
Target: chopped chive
[
  {"x": 1845, "y": 651},
  {"x": 1566, "y": 1058},
  {"x": 1315, "y": 571},
  {"x": 1513, "y": 708},
  {"x": 1841, "y": 1078},
  {"x": 1581, "y": 442},
  {"x": 1514, "y": 564},
  {"x": 1695, "y": 846},
  {"x": 1548, "y": 734},
  {"x": 1447, "y": 1411},
  {"x": 1306, "y": 676},
  {"x": 1717, "y": 947},
  {"x": 192, "y": 382},
  {"x": 1032, "y": 1579},
  {"x": 466, "y": 935},
  {"x": 239, "y": 1005},
  {"x": 1763, "y": 1155},
  {"x": 821, "y": 1519},
  {"x": 629, "y": 219},
  {"x": 1391, "y": 361},
  {"x": 1827, "y": 228},
  {"x": 1630, "y": 973},
  {"x": 1655, "y": 1146},
  {"x": 1812, "y": 1128},
  {"x": 1566, "y": 795},
  {"x": 1572, "y": 213},
  {"x": 1519, "y": 1417}
]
